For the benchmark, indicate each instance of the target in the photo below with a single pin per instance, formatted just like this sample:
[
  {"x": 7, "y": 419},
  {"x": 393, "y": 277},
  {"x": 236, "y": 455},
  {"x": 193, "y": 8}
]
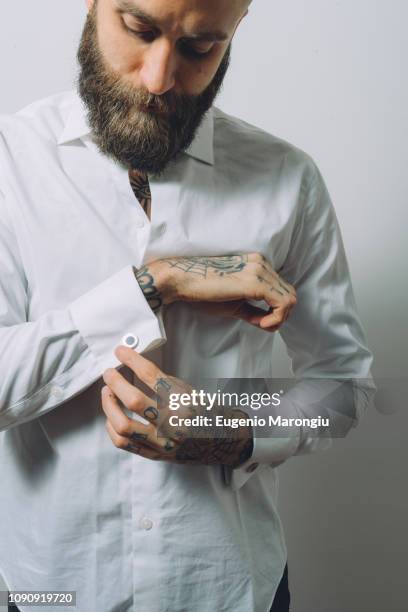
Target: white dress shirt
[{"x": 76, "y": 513}]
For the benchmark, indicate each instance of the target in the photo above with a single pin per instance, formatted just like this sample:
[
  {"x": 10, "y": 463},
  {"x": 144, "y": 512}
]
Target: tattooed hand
[
  {"x": 224, "y": 283},
  {"x": 158, "y": 440}
]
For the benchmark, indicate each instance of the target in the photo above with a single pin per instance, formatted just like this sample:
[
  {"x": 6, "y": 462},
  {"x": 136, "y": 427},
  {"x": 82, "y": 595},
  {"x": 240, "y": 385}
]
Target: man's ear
[{"x": 89, "y": 4}]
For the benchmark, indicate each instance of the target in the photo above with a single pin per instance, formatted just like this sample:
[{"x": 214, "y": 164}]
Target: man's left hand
[{"x": 181, "y": 444}]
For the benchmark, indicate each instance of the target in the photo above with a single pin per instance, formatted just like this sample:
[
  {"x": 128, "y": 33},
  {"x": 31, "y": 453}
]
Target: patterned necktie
[{"x": 141, "y": 188}]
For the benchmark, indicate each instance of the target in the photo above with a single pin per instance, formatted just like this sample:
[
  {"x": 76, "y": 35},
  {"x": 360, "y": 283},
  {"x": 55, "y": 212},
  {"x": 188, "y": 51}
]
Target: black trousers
[{"x": 280, "y": 603}]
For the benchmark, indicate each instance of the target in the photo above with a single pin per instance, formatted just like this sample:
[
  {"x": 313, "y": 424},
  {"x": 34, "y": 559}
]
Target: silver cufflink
[{"x": 130, "y": 340}]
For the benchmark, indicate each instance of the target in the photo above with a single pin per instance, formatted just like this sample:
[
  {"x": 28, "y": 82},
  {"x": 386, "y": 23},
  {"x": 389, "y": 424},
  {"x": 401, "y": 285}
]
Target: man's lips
[{"x": 153, "y": 110}]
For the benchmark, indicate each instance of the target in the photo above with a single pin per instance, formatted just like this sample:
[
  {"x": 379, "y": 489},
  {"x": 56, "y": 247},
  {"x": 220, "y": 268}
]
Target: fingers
[
  {"x": 131, "y": 446},
  {"x": 122, "y": 424},
  {"x": 127, "y": 432},
  {"x": 278, "y": 288},
  {"x": 144, "y": 369},
  {"x": 280, "y": 309},
  {"x": 282, "y": 284},
  {"x": 266, "y": 272},
  {"x": 269, "y": 286},
  {"x": 281, "y": 304},
  {"x": 281, "y": 297},
  {"x": 249, "y": 313},
  {"x": 151, "y": 375},
  {"x": 279, "y": 313},
  {"x": 274, "y": 320},
  {"x": 132, "y": 397}
]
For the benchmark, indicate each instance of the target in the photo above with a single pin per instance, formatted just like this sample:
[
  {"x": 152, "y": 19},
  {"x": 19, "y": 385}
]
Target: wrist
[
  {"x": 155, "y": 282},
  {"x": 163, "y": 277}
]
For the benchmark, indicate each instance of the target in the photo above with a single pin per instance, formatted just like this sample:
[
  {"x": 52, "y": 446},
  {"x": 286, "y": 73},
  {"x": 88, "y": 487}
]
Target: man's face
[{"x": 150, "y": 70}]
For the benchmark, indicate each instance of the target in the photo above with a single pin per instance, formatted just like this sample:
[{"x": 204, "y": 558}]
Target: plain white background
[{"x": 330, "y": 77}]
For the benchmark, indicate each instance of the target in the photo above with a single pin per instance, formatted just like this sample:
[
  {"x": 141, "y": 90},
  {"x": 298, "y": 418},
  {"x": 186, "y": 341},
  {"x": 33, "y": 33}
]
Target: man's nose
[{"x": 159, "y": 67}]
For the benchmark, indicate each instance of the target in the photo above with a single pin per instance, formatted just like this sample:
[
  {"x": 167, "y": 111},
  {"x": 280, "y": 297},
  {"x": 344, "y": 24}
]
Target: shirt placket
[
  {"x": 165, "y": 192},
  {"x": 138, "y": 227},
  {"x": 145, "y": 535},
  {"x": 149, "y": 239}
]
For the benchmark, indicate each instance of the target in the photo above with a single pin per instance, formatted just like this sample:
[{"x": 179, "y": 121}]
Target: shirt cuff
[
  {"x": 267, "y": 452},
  {"x": 114, "y": 311}
]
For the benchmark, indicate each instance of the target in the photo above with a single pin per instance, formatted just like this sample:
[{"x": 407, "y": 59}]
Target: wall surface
[{"x": 329, "y": 77}]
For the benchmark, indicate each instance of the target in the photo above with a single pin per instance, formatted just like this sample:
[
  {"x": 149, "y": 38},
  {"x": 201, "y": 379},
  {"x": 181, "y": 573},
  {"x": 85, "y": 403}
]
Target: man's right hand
[{"x": 224, "y": 284}]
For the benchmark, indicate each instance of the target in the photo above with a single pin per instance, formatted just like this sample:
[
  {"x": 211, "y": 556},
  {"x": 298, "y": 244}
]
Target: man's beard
[{"x": 140, "y": 130}]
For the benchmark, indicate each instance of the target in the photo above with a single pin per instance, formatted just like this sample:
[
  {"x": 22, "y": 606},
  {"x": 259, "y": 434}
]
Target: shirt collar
[{"x": 76, "y": 127}]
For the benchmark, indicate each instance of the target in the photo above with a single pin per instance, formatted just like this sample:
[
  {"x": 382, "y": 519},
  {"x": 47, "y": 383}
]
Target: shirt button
[
  {"x": 57, "y": 392},
  {"x": 140, "y": 223},
  {"x": 251, "y": 468},
  {"x": 130, "y": 340},
  {"x": 146, "y": 524}
]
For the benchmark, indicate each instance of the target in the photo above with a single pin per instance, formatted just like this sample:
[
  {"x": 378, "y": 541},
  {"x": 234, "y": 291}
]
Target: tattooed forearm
[
  {"x": 223, "y": 448},
  {"x": 150, "y": 291},
  {"x": 222, "y": 265}
]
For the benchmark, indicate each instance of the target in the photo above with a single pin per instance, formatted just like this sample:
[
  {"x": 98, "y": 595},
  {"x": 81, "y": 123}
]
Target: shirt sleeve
[
  {"x": 323, "y": 336},
  {"x": 44, "y": 363}
]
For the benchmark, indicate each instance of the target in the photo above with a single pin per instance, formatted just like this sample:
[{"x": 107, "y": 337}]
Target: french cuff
[
  {"x": 267, "y": 452},
  {"x": 117, "y": 312}
]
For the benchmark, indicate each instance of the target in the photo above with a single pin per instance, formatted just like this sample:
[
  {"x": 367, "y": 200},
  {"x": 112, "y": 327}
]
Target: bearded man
[{"x": 142, "y": 227}]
